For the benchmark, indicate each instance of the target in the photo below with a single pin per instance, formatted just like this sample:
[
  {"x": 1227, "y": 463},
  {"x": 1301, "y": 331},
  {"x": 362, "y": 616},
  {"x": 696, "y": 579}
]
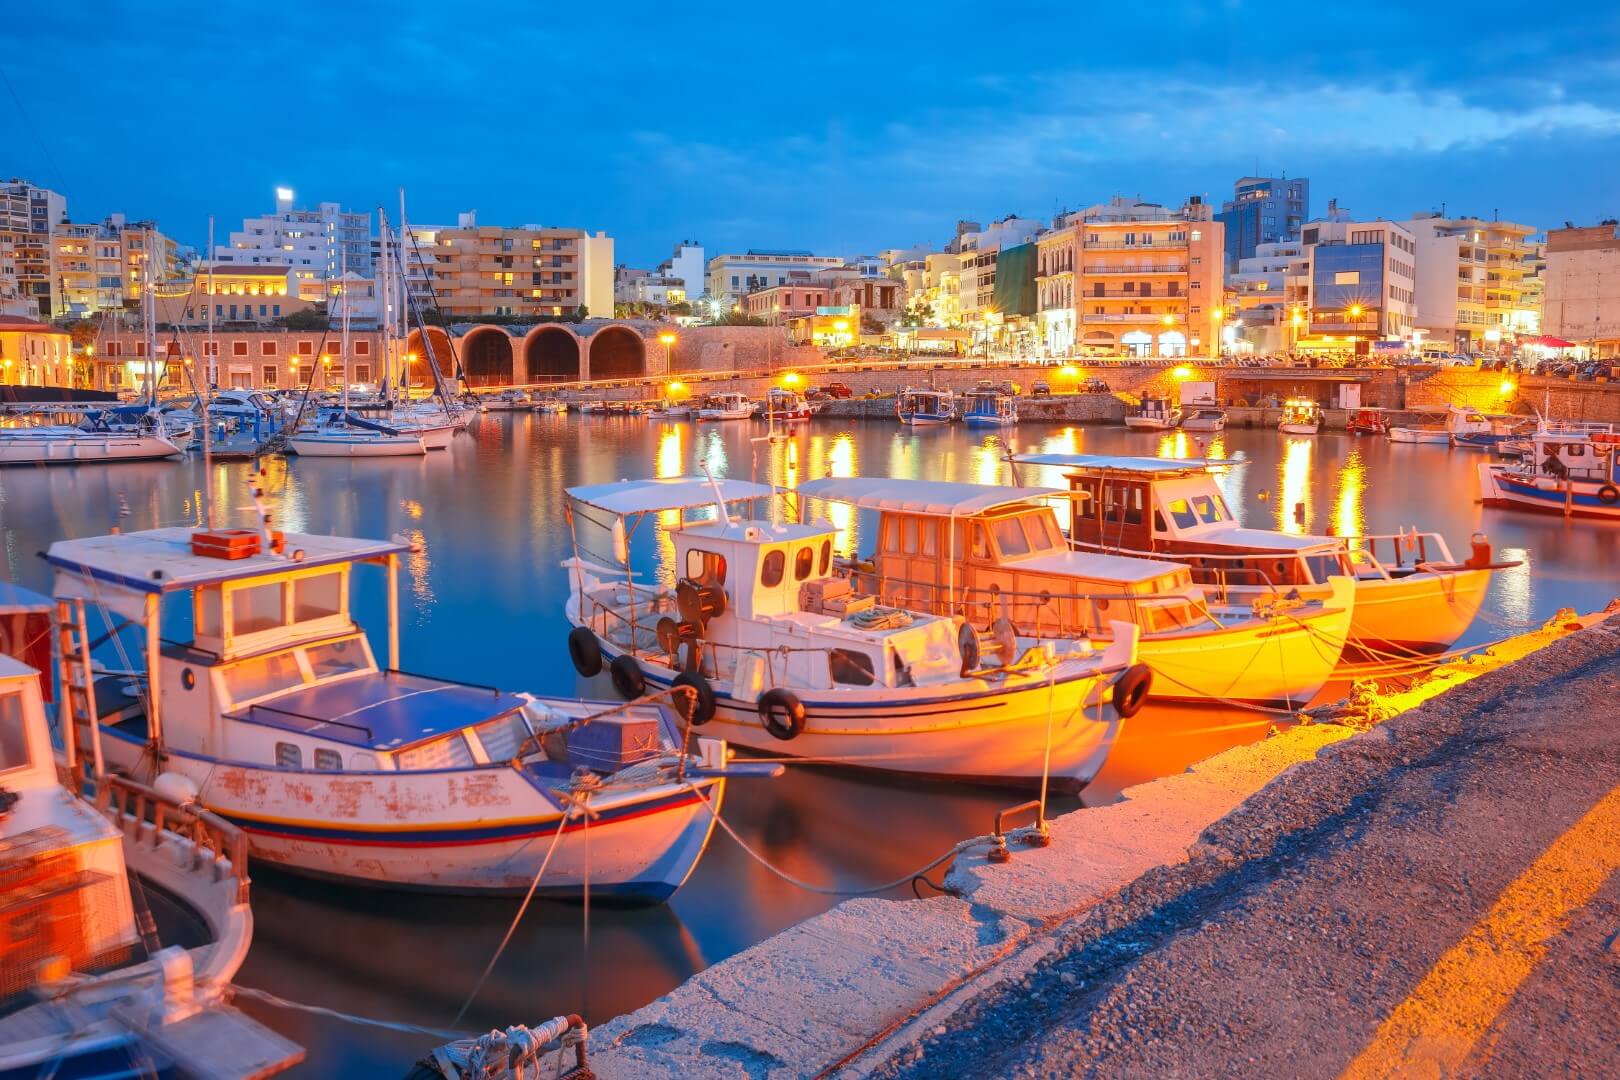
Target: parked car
[
  {"x": 1040, "y": 389},
  {"x": 837, "y": 390},
  {"x": 1094, "y": 385}
]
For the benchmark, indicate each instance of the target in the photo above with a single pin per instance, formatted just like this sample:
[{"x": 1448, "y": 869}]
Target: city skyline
[{"x": 881, "y": 136}]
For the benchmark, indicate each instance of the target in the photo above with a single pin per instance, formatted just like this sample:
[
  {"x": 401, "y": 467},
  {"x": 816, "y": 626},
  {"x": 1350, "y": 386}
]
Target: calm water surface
[{"x": 482, "y": 601}]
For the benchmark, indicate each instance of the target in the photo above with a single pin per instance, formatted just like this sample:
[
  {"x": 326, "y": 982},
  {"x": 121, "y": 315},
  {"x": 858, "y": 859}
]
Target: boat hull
[
  {"x": 1204, "y": 425},
  {"x": 83, "y": 448},
  {"x": 1416, "y": 614},
  {"x": 989, "y": 421},
  {"x": 923, "y": 420},
  {"x": 1419, "y": 436},
  {"x": 1299, "y": 429},
  {"x": 357, "y": 446},
  {"x": 1148, "y": 423},
  {"x": 1584, "y": 499}
]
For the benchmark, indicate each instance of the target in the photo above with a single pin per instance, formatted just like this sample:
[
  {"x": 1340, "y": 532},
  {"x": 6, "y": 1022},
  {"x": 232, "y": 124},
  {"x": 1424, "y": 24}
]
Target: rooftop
[{"x": 933, "y": 497}]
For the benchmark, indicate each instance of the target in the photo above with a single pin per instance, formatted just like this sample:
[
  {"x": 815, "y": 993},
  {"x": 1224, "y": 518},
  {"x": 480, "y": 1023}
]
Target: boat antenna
[{"x": 719, "y": 499}]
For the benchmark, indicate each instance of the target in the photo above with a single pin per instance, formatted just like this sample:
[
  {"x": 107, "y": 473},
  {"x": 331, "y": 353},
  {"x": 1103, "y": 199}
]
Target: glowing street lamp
[
  {"x": 667, "y": 340},
  {"x": 1507, "y": 388},
  {"x": 791, "y": 379},
  {"x": 1182, "y": 373},
  {"x": 1355, "y": 311}
]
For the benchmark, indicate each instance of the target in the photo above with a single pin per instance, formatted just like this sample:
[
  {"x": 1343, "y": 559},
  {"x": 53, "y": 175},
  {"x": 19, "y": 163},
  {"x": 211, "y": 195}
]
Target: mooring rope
[{"x": 349, "y": 1018}]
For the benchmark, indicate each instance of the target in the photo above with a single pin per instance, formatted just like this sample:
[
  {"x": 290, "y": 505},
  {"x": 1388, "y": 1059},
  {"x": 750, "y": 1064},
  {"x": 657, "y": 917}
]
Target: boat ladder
[{"x": 81, "y": 732}]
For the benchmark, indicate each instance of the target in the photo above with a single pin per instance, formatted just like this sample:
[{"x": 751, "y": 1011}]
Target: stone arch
[
  {"x": 551, "y": 353},
  {"x": 443, "y": 355},
  {"x": 617, "y": 352},
  {"x": 486, "y": 357}
]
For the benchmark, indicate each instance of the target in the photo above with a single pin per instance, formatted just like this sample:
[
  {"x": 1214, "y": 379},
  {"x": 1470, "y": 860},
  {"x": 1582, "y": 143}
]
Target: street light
[
  {"x": 667, "y": 340},
  {"x": 790, "y": 379}
]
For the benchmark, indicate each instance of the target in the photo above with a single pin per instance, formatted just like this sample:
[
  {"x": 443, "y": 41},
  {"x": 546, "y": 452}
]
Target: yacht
[{"x": 94, "y": 439}]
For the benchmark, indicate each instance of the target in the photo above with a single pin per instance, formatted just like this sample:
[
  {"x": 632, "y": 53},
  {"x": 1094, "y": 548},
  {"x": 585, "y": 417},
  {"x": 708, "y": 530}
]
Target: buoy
[{"x": 176, "y": 788}]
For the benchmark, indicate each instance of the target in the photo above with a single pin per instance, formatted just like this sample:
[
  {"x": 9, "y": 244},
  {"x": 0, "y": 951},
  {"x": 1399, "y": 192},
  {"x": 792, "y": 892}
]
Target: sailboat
[{"x": 345, "y": 434}]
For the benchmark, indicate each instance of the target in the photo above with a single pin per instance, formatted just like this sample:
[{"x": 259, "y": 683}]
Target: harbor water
[{"x": 482, "y": 601}]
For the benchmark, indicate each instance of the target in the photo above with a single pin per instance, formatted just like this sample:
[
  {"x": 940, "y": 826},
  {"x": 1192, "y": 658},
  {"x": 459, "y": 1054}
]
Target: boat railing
[
  {"x": 150, "y": 818},
  {"x": 313, "y": 721},
  {"x": 1224, "y": 571},
  {"x": 1403, "y": 550}
]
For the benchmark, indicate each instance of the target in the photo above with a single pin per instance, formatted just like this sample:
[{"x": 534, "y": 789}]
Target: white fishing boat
[
  {"x": 1411, "y": 596},
  {"x": 1574, "y": 473},
  {"x": 1300, "y": 416},
  {"x": 87, "y": 987},
  {"x": 670, "y": 410},
  {"x": 726, "y": 406},
  {"x": 272, "y": 712},
  {"x": 984, "y": 554},
  {"x": 1438, "y": 433},
  {"x": 92, "y": 441},
  {"x": 925, "y": 407},
  {"x": 507, "y": 401},
  {"x": 1153, "y": 414},
  {"x": 989, "y": 408},
  {"x": 1202, "y": 420},
  {"x": 784, "y": 661},
  {"x": 784, "y": 406}
]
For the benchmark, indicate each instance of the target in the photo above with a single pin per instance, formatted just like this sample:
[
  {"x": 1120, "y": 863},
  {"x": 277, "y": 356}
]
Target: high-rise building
[
  {"x": 1361, "y": 282},
  {"x": 473, "y": 269},
  {"x": 318, "y": 244},
  {"x": 28, "y": 216},
  {"x": 1262, "y": 210},
  {"x": 1472, "y": 291}
]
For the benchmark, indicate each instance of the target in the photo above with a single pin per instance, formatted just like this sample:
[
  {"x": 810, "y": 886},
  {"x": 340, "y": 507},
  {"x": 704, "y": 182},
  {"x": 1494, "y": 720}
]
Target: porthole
[{"x": 188, "y": 678}]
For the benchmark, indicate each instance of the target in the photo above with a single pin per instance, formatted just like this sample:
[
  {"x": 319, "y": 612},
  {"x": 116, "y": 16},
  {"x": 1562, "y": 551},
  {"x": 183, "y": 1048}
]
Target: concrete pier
[{"x": 925, "y": 987}]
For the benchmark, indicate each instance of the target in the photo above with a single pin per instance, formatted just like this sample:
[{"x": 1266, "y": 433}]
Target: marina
[{"x": 481, "y": 544}]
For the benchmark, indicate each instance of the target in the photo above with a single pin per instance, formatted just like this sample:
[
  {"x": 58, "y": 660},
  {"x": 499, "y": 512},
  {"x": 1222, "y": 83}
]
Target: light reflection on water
[{"x": 484, "y": 604}]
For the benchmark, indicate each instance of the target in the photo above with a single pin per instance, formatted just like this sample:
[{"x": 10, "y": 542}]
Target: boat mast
[
  {"x": 427, "y": 341},
  {"x": 206, "y": 391},
  {"x": 387, "y": 309},
  {"x": 343, "y": 287}
]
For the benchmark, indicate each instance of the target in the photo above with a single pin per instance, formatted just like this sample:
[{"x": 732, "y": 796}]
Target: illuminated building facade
[
  {"x": 1472, "y": 292},
  {"x": 320, "y": 242}
]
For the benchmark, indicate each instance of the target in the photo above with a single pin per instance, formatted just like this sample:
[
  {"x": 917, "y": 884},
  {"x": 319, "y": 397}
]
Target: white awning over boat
[
  {"x": 936, "y": 497},
  {"x": 121, "y": 569},
  {"x": 1110, "y": 463},
  {"x": 624, "y": 497}
]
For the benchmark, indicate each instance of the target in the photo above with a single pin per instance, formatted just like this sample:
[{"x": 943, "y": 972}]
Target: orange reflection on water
[
  {"x": 1175, "y": 445},
  {"x": 988, "y": 458},
  {"x": 671, "y": 451},
  {"x": 418, "y": 565},
  {"x": 1294, "y": 484},
  {"x": 1348, "y": 519}
]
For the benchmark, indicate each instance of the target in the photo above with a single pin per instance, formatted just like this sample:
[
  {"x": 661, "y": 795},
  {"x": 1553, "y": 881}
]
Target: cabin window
[
  {"x": 336, "y": 658},
  {"x": 328, "y": 760},
  {"x": 850, "y": 667},
  {"x": 891, "y": 532},
  {"x": 1183, "y": 514},
  {"x": 826, "y": 556},
  {"x": 1123, "y": 504},
  {"x": 1010, "y": 538},
  {"x": 360, "y": 761},
  {"x": 705, "y": 567},
  {"x": 450, "y": 752},
  {"x": 317, "y": 597},
  {"x": 928, "y": 530},
  {"x": 804, "y": 561},
  {"x": 263, "y": 675},
  {"x": 258, "y": 607},
  {"x": 207, "y": 613},
  {"x": 1042, "y": 531},
  {"x": 957, "y": 548},
  {"x": 908, "y": 536},
  {"x": 13, "y": 735},
  {"x": 1158, "y": 522},
  {"x": 288, "y": 756},
  {"x": 981, "y": 548},
  {"x": 1209, "y": 509},
  {"x": 503, "y": 736},
  {"x": 772, "y": 569}
]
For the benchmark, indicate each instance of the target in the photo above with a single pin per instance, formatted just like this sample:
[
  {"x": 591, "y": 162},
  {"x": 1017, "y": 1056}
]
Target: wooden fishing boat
[
  {"x": 1153, "y": 414},
  {"x": 925, "y": 408},
  {"x": 726, "y": 406},
  {"x": 1569, "y": 472},
  {"x": 1300, "y": 416},
  {"x": 989, "y": 408}
]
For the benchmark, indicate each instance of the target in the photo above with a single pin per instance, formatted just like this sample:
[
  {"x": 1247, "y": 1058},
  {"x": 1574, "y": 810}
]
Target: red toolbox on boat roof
[
  {"x": 231, "y": 543},
  {"x": 613, "y": 742}
]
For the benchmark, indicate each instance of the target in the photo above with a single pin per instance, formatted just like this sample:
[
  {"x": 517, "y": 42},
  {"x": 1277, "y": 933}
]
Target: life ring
[
  {"x": 782, "y": 713},
  {"x": 584, "y": 651},
  {"x": 1131, "y": 690},
  {"x": 1608, "y": 494},
  {"x": 627, "y": 677},
  {"x": 702, "y": 705}
]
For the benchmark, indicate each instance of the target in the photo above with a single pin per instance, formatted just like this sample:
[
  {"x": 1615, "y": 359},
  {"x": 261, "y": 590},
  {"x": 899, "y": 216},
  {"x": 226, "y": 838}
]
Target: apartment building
[
  {"x": 1361, "y": 281},
  {"x": 1582, "y": 287},
  {"x": 797, "y": 298},
  {"x": 1262, "y": 210},
  {"x": 1472, "y": 291},
  {"x": 28, "y": 216},
  {"x": 321, "y": 242},
  {"x": 1266, "y": 298},
  {"x": 978, "y": 249},
  {"x": 238, "y": 295},
  {"x": 532, "y": 270},
  {"x": 104, "y": 267},
  {"x": 1148, "y": 282},
  {"x": 730, "y": 278},
  {"x": 1057, "y": 257}
]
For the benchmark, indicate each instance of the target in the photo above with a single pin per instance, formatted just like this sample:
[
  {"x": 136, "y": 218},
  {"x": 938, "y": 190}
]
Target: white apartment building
[
  {"x": 685, "y": 265},
  {"x": 978, "y": 249},
  {"x": 28, "y": 215},
  {"x": 1362, "y": 282},
  {"x": 317, "y": 242},
  {"x": 732, "y": 277},
  {"x": 1471, "y": 281}
]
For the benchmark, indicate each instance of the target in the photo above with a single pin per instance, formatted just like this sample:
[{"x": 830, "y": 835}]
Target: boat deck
[{"x": 381, "y": 710}]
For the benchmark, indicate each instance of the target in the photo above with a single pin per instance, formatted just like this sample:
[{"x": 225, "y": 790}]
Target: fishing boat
[
  {"x": 1573, "y": 473},
  {"x": 1300, "y": 416},
  {"x": 548, "y": 402},
  {"x": 784, "y": 406},
  {"x": 272, "y": 712},
  {"x": 1411, "y": 596},
  {"x": 1202, "y": 420},
  {"x": 93, "y": 440},
  {"x": 667, "y": 409},
  {"x": 989, "y": 408},
  {"x": 1471, "y": 428},
  {"x": 1367, "y": 420},
  {"x": 89, "y": 988},
  {"x": 1153, "y": 414},
  {"x": 925, "y": 408},
  {"x": 983, "y": 553},
  {"x": 784, "y": 659},
  {"x": 506, "y": 401},
  {"x": 725, "y": 406}
]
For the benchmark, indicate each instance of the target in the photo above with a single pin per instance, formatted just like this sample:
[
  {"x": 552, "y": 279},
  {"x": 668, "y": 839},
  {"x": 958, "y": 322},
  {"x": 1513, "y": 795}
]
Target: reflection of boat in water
[
  {"x": 983, "y": 553},
  {"x": 1153, "y": 414},
  {"x": 90, "y": 990},
  {"x": 1411, "y": 595},
  {"x": 1300, "y": 416},
  {"x": 279, "y": 718},
  {"x": 783, "y": 657},
  {"x": 1573, "y": 473},
  {"x": 925, "y": 408}
]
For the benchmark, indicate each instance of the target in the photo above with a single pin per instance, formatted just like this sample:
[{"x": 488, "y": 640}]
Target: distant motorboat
[
  {"x": 785, "y": 406},
  {"x": 727, "y": 406},
  {"x": 507, "y": 401},
  {"x": 925, "y": 408},
  {"x": 1301, "y": 416},
  {"x": 1153, "y": 414},
  {"x": 1205, "y": 420}
]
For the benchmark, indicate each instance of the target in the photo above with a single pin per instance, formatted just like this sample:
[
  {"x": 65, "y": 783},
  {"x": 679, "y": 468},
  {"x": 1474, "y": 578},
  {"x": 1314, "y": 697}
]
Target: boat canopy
[
  {"x": 1146, "y": 466},
  {"x": 941, "y": 498},
  {"x": 624, "y": 497},
  {"x": 122, "y": 568}
]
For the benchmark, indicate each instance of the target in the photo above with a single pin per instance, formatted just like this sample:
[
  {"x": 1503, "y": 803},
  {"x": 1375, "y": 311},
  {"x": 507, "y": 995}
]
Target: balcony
[
  {"x": 1135, "y": 317},
  {"x": 1121, "y": 294},
  {"x": 1116, "y": 268},
  {"x": 1120, "y": 245}
]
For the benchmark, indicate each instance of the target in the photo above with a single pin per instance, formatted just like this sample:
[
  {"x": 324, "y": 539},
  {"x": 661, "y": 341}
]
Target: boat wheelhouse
[
  {"x": 925, "y": 407},
  {"x": 1411, "y": 596},
  {"x": 1568, "y": 472},
  {"x": 1300, "y": 416},
  {"x": 1153, "y": 414},
  {"x": 989, "y": 408},
  {"x": 983, "y": 553},
  {"x": 1367, "y": 420},
  {"x": 785, "y": 657},
  {"x": 278, "y": 715}
]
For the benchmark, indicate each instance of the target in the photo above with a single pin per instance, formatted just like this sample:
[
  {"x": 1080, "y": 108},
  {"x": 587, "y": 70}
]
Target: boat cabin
[
  {"x": 982, "y": 552},
  {"x": 991, "y": 405},
  {"x": 1593, "y": 457},
  {"x": 927, "y": 404}
]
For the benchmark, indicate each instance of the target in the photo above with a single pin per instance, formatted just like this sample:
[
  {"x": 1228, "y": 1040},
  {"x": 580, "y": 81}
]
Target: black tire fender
[
  {"x": 628, "y": 679},
  {"x": 1131, "y": 690},
  {"x": 1608, "y": 494},
  {"x": 585, "y": 651},
  {"x": 782, "y": 713},
  {"x": 701, "y": 705}
]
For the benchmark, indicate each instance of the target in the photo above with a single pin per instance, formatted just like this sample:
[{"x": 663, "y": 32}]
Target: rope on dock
[{"x": 349, "y": 1018}]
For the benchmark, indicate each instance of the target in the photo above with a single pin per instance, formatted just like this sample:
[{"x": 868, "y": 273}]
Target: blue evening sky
[{"x": 841, "y": 127}]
